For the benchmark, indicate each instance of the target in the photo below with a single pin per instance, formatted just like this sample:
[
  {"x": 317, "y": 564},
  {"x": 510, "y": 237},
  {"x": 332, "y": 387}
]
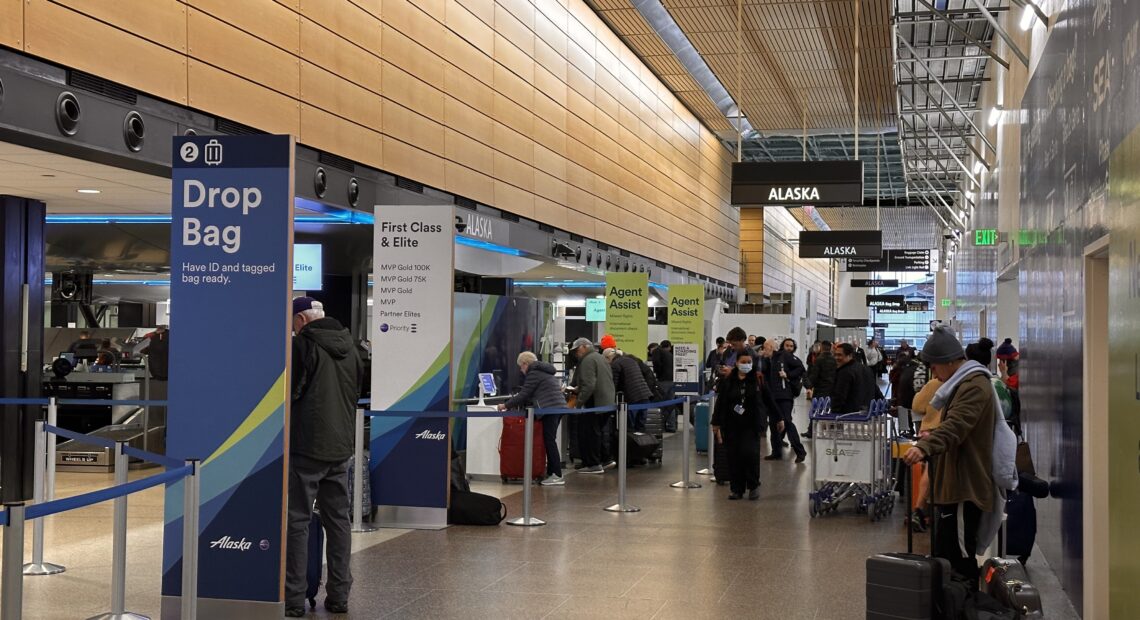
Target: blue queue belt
[
  {"x": 36, "y": 511},
  {"x": 4, "y": 518},
  {"x": 444, "y": 414},
  {"x": 24, "y": 401},
  {"x": 160, "y": 459},
  {"x": 96, "y": 401}
]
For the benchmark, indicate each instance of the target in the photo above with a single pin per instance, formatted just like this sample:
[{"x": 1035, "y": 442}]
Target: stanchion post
[
  {"x": 358, "y": 478},
  {"x": 685, "y": 483},
  {"x": 52, "y": 420},
  {"x": 37, "y": 566},
  {"x": 12, "y": 579},
  {"x": 190, "y": 498},
  {"x": 623, "y": 459},
  {"x": 528, "y": 478},
  {"x": 708, "y": 471},
  {"x": 119, "y": 546}
]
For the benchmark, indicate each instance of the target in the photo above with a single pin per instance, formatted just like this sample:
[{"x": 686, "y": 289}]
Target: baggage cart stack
[{"x": 851, "y": 460}]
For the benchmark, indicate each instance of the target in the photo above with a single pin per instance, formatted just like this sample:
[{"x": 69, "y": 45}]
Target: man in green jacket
[
  {"x": 595, "y": 381},
  {"x": 962, "y": 486}
]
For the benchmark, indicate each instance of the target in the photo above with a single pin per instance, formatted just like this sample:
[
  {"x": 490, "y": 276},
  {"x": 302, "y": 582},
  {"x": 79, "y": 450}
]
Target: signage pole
[
  {"x": 528, "y": 474},
  {"x": 623, "y": 423},
  {"x": 708, "y": 471},
  {"x": 359, "y": 463},
  {"x": 684, "y": 483},
  {"x": 37, "y": 566}
]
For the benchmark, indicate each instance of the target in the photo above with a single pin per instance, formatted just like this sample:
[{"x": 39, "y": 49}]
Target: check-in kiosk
[{"x": 483, "y": 433}]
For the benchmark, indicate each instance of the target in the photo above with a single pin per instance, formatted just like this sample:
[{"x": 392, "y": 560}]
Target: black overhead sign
[
  {"x": 797, "y": 183},
  {"x": 840, "y": 243},
  {"x": 874, "y": 283},
  {"x": 887, "y": 302},
  {"x": 880, "y": 325},
  {"x": 889, "y": 311},
  {"x": 852, "y": 322},
  {"x": 917, "y": 306},
  {"x": 893, "y": 260}
]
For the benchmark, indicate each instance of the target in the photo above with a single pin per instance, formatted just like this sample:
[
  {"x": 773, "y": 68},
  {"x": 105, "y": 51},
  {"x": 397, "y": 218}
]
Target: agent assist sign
[{"x": 841, "y": 243}]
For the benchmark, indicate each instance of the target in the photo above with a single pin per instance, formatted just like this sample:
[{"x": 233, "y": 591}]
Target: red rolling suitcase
[{"x": 511, "y": 450}]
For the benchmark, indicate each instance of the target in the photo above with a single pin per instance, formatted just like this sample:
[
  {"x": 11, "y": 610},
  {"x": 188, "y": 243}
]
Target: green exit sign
[
  {"x": 986, "y": 236},
  {"x": 945, "y": 303}
]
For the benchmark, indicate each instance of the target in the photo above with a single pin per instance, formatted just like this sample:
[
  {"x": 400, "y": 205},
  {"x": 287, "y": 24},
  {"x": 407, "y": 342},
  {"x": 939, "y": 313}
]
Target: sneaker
[
  {"x": 754, "y": 494},
  {"x": 554, "y": 481},
  {"x": 295, "y": 612},
  {"x": 610, "y": 465},
  {"x": 335, "y": 607},
  {"x": 596, "y": 469},
  {"x": 800, "y": 457},
  {"x": 774, "y": 457},
  {"x": 735, "y": 495}
]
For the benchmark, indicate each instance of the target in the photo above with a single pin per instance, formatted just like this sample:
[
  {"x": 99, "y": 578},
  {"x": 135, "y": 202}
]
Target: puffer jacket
[
  {"x": 541, "y": 389},
  {"x": 630, "y": 380},
  {"x": 327, "y": 372},
  {"x": 595, "y": 381}
]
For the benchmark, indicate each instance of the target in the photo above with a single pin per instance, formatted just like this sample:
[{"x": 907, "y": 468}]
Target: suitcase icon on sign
[{"x": 213, "y": 152}]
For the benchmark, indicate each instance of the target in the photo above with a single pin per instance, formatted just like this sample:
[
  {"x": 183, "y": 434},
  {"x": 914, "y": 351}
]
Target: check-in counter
[{"x": 93, "y": 386}]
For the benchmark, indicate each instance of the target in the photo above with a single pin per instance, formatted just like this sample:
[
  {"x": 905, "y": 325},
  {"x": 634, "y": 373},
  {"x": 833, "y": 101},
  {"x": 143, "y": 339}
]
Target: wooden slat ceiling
[{"x": 797, "y": 57}]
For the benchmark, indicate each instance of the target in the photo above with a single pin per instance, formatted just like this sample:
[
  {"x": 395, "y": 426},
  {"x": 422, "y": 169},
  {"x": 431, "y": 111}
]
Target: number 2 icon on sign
[{"x": 189, "y": 152}]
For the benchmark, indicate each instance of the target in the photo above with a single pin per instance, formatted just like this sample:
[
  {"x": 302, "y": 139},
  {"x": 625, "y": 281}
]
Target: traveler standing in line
[
  {"x": 630, "y": 382},
  {"x": 876, "y": 361},
  {"x": 820, "y": 378},
  {"x": 744, "y": 406},
  {"x": 783, "y": 376},
  {"x": 716, "y": 356},
  {"x": 542, "y": 390},
  {"x": 595, "y": 382},
  {"x": 662, "y": 363},
  {"x": 963, "y": 481},
  {"x": 327, "y": 372},
  {"x": 1009, "y": 363},
  {"x": 854, "y": 384}
]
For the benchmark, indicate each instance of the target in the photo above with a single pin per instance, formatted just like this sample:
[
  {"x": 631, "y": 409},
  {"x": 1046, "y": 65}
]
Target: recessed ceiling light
[{"x": 88, "y": 191}]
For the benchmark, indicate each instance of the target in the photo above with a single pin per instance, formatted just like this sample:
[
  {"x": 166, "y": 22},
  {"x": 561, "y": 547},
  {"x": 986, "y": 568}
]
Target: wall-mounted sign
[
  {"x": 880, "y": 325},
  {"x": 781, "y": 183},
  {"x": 596, "y": 309},
  {"x": 890, "y": 310},
  {"x": 917, "y": 306},
  {"x": 874, "y": 283},
  {"x": 892, "y": 260},
  {"x": 886, "y": 302},
  {"x": 841, "y": 243},
  {"x": 852, "y": 322},
  {"x": 484, "y": 227},
  {"x": 307, "y": 267},
  {"x": 985, "y": 236},
  {"x": 945, "y": 303}
]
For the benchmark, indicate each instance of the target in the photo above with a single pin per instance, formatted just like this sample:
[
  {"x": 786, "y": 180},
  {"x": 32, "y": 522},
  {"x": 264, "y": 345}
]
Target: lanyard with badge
[{"x": 739, "y": 408}]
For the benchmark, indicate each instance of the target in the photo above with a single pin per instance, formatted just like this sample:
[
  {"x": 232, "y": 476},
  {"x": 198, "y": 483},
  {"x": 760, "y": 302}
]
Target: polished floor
[{"x": 686, "y": 554}]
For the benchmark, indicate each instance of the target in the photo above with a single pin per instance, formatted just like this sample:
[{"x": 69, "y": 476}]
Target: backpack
[{"x": 468, "y": 508}]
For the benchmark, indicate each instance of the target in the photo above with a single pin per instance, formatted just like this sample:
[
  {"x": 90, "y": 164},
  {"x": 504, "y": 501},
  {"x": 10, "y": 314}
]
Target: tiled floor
[{"x": 687, "y": 554}]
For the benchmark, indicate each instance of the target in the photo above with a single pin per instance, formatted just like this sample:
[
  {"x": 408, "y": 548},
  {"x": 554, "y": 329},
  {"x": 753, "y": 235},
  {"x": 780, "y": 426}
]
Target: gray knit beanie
[{"x": 942, "y": 347}]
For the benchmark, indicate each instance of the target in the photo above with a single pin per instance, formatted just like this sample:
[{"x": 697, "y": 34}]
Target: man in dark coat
[
  {"x": 783, "y": 371},
  {"x": 629, "y": 380},
  {"x": 854, "y": 382},
  {"x": 820, "y": 378},
  {"x": 326, "y": 384}
]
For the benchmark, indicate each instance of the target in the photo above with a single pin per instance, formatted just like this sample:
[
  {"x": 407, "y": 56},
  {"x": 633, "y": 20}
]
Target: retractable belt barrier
[{"x": 16, "y": 514}]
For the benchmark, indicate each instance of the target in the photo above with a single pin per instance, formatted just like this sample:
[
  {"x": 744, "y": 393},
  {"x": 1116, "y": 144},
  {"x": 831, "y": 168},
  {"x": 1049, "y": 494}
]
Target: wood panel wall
[{"x": 531, "y": 106}]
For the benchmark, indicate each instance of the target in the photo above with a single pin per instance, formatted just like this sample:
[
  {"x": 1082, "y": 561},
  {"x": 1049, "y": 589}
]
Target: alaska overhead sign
[
  {"x": 796, "y": 183},
  {"x": 841, "y": 243}
]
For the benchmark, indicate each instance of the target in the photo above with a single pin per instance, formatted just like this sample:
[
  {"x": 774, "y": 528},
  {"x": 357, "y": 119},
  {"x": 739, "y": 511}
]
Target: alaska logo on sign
[
  {"x": 840, "y": 250},
  {"x": 788, "y": 194},
  {"x": 480, "y": 227}
]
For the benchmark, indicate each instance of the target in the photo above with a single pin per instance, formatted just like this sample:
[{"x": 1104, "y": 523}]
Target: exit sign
[
  {"x": 986, "y": 236},
  {"x": 945, "y": 303}
]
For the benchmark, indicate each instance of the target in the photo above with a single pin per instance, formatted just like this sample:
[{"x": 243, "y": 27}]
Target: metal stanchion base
[
  {"x": 526, "y": 521},
  {"x": 126, "y": 615},
  {"x": 364, "y": 528},
  {"x": 43, "y": 568},
  {"x": 622, "y": 508},
  {"x": 680, "y": 484},
  {"x": 705, "y": 472}
]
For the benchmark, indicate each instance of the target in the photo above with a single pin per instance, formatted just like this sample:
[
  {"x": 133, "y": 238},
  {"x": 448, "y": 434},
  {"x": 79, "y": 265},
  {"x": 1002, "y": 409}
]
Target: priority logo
[{"x": 437, "y": 436}]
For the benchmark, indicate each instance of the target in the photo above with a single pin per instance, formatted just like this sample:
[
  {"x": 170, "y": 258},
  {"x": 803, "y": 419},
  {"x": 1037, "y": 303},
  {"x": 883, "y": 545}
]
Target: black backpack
[
  {"x": 468, "y": 508},
  {"x": 651, "y": 381}
]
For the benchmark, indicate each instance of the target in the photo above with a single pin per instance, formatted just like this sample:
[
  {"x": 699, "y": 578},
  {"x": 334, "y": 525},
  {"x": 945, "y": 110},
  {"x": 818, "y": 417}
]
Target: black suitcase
[
  {"x": 721, "y": 471},
  {"x": 655, "y": 425},
  {"x": 1007, "y": 582},
  {"x": 316, "y": 558},
  {"x": 907, "y": 586},
  {"x": 640, "y": 447}
]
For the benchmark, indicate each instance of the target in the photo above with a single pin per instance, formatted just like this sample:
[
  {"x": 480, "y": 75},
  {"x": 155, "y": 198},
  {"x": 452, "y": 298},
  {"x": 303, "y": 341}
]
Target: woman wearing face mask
[{"x": 744, "y": 408}]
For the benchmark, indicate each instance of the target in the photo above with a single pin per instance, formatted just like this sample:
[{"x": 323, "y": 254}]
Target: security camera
[
  {"x": 561, "y": 250},
  {"x": 460, "y": 224}
]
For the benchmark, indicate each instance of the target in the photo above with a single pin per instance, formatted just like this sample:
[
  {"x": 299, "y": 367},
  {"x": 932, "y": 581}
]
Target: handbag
[{"x": 468, "y": 508}]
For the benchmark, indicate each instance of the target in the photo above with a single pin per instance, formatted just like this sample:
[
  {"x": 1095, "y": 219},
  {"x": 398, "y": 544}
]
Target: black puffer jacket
[
  {"x": 541, "y": 389},
  {"x": 821, "y": 375},
  {"x": 630, "y": 380},
  {"x": 327, "y": 372}
]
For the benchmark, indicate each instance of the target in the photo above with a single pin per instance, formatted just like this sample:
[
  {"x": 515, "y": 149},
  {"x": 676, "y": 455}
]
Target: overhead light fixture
[
  {"x": 971, "y": 196},
  {"x": 979, "y": 167},
  {"x": 995, "y": 116},
  {"x": 1028, "y": 16},
  {"x": 88, "y": 191}
]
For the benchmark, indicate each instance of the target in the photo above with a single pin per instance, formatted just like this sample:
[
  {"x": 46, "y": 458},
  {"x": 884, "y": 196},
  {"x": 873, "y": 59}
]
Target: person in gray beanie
[{"x": 962, "y": 486}]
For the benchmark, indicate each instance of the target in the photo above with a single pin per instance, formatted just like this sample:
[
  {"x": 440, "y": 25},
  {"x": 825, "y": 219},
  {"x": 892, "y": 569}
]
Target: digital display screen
[
  {"x": 487, "y": 380},
  {"x": 595, "y": 310},
  {"x": 307, "y": 267}
]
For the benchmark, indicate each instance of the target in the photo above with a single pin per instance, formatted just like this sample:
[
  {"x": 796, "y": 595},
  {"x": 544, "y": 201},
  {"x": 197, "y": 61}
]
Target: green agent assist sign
[
  {"x": 627, "y": 310},
  {"x": 686, "y": 332}
]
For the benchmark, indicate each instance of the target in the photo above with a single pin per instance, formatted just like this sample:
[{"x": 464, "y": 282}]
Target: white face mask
[{"x": 744, "y": 368}]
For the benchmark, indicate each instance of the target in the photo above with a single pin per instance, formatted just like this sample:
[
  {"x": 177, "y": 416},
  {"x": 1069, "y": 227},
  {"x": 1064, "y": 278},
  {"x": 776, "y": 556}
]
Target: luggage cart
[{"x": 851, "y": 460}]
